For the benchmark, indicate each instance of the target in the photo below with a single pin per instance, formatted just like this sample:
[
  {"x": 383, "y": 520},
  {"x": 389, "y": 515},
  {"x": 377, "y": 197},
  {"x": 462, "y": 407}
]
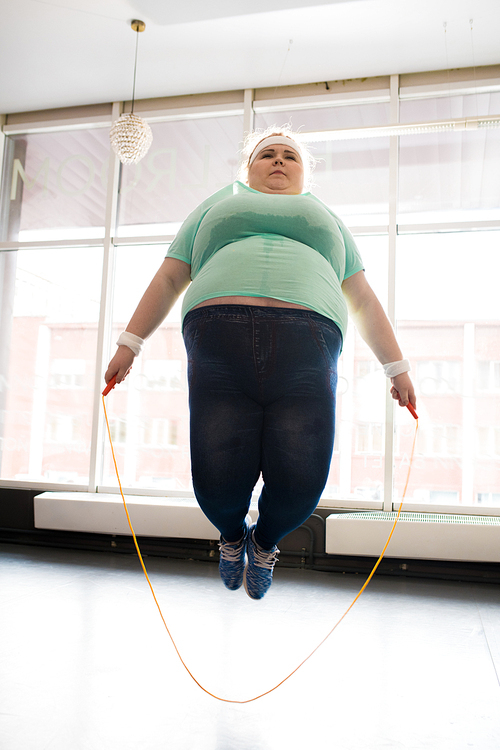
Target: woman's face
[{"x": 277, "y": 169}]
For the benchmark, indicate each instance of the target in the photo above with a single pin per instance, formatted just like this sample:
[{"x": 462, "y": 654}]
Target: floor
[{"x": 86, "y": 663}]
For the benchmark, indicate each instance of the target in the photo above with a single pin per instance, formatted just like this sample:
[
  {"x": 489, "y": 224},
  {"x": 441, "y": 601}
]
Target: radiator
[
  {"x": 102, "y": 513},
  {"x": 430, "y": 536}
]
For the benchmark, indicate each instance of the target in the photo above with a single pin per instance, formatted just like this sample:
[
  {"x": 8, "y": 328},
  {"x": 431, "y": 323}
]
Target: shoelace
[
  {"x": 230, "y": 552},
  {"x": 263, "y": 559}
]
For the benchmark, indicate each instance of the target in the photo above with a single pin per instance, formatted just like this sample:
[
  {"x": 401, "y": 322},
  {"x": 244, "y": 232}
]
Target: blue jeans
[{"x": 262, "y": 385}]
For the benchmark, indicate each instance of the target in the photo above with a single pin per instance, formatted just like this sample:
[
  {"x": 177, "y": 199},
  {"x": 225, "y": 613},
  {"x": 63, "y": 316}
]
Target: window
[
  {"x": 369, "y": 494},
  {"x": 488, "y": 441},
  {"x": 449, "y": 107},
  {"x": 351, "y": 177},
  {"x": 159, "y": 432},
  {"x": 54, "y": 314},
  {"x": 369, "y": 438},
  {"x": 48, "y": 376},
  {"x": 440, "y": 440},
  {"x": 360, "y": 408},
  {"x": 154, "y": 407},
  {"x": 188, "y": 161},
  {"x": 449, "y": 176},
  {"x": 163, "y": 375},
  {"x": 118, "y": 430},
  {"x": 67, "y": 373},
  {"x": 56, "y": 185},
  {"x": 488, "y": 376},
  {"x": 447, "y": 322},
  {"x": 435, "y": 378},
  {"x": 489, "y": 498},
  {"x": 63, "y": 428}
]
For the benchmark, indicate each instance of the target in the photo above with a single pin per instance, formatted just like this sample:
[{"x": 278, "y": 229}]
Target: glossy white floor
[{"x": 86, "y": 664}]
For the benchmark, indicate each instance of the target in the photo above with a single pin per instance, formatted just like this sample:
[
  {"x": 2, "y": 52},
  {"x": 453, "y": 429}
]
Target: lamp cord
[{"x": 135, "y": 71}]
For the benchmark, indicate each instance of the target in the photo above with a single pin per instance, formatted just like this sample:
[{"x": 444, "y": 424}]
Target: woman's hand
[
  {"x": 402, "y": 390},
  {"x": 120, "y": 365}
]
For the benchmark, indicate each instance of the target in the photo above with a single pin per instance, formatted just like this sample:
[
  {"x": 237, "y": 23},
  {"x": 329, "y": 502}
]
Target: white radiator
[
  {"x": 430, "y": 536},
  {"x": 104, "y": 514}
]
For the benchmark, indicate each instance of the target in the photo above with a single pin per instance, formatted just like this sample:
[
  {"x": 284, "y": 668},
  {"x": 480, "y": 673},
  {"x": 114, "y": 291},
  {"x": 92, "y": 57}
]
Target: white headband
[{"x": 282, "y": 140}]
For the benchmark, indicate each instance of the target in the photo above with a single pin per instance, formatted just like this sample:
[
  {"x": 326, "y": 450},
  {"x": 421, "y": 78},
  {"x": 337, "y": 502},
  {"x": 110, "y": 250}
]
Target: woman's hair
[{"x": 253, "y": 139}]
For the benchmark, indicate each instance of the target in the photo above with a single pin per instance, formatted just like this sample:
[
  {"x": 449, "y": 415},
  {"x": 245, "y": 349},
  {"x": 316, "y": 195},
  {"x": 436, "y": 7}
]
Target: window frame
[{"x": 393, "y": 89}]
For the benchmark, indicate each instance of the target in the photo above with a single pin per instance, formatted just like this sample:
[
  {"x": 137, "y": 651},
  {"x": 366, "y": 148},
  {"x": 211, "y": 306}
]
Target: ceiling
[{"x": 56, "y": 53}]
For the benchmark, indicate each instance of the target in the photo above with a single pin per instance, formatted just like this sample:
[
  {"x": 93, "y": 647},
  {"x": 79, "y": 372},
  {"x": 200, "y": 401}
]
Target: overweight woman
[{"x": 270, "y": 275}]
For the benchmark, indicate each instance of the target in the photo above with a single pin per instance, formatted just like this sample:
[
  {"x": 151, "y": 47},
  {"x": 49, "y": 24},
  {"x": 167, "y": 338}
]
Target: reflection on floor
[{"x": 86, "y": 663}]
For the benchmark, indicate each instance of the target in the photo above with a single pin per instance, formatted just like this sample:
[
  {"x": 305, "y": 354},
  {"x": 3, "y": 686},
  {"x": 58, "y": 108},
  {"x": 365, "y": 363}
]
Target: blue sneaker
[
  {"x": 232, "y": 559},
  {"x": 258, "y": 574}
]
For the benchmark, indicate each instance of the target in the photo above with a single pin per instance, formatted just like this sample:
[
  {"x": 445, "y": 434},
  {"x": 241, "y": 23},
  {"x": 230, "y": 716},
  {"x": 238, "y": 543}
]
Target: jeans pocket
[
  {"x": 328, "y": 339},
  {"x": 191, "y": 334}
]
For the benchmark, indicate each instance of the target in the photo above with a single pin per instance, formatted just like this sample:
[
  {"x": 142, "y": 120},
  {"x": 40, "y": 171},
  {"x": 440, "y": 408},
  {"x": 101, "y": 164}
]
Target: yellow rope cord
[{"x": 261, "y": 695}]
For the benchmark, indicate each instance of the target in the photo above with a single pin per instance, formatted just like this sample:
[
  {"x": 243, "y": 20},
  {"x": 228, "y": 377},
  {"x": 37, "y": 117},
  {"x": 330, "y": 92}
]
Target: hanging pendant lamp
[{"x": 130, "y": 135}]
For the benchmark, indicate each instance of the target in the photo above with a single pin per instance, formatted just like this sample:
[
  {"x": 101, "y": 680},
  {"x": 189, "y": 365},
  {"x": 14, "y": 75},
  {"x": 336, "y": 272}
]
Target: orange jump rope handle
[
  {"x": 109, "y": 386},
  {"x": 411, "y": 410}
]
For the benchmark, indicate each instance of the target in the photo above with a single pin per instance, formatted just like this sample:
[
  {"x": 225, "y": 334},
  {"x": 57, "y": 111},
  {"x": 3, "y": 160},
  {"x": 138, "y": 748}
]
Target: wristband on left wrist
[
  {"x": 391, "y": 369},
  {"x": 135, "y": 343}
]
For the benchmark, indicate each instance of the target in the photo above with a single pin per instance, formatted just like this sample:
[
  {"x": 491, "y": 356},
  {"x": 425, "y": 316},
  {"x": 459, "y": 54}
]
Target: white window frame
[{"x": 392, "y": 89}]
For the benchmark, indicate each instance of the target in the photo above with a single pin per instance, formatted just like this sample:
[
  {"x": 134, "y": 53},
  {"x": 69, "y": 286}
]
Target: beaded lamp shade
[
  {"x": 130, "y": 135},
  {"x": 130, "y": 138}
]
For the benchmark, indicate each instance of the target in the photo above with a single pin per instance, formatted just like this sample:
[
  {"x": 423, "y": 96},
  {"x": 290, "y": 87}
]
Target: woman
[{"x": 273, "y": 273}]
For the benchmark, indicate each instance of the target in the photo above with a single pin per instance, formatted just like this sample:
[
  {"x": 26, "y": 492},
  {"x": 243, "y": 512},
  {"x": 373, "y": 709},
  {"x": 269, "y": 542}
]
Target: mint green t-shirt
[{"x": 241, "y": 242}]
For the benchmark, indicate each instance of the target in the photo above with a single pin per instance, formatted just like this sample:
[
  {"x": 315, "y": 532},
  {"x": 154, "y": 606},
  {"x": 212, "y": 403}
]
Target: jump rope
[{"x": 108, "y": 388}]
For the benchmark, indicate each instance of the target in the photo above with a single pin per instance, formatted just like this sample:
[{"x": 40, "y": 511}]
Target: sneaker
[
  {"x": 258, "y": 574},
  {"x": 232, "y": 560}
]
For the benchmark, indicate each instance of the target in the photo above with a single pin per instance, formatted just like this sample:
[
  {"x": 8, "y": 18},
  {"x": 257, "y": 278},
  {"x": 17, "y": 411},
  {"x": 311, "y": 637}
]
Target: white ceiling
[{"x": 56, "y": 53}]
